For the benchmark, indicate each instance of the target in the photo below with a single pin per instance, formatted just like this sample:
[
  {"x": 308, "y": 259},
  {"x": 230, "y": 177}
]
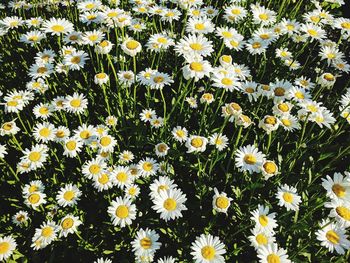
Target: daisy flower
[
  {"x": 147, "y": 167},
  {"x": 68, "y": 195},
  {"x": 260, "y": 238},
  {"x": 179, "y": 133},
  {"x": 333, "y": 237},
  {"x": 35, "y": 199},
  {"x": 132, "y": 191},
  {"x": 208, "y": 249},
  {"x": 196, "y": 68},
  {"x": 57, "y": 26},
  {"x": 163, "y": 183},
  {"x": 158, "y": 80},
  {"x": 221, "y": 202},
  {"x": 287, "y": 196},
  {"x": 94, "y": 168},
  {"x": 104, "y": 181},
  {"x": 194, "y": 45},
  {"x": 131, "y": 47},
  {"x": 68, "y": 225},
  {"x": 271, "y": 253},
  {"x": 340, "y": 211},
  {"x": 92, "y": 37},
  {"x": 126, "y": 157},
  {"x": 7, "y": 246},
  {"x": 269, "y": 123},
  {"x": 196, "y": 143},
  {"x": 122, "y": 211},
  {"x": 72, "y": 147},
  {"x": 75, "y": 60},
  {"x": 121, "y": 176},
  {"x": 248, "y": 158},
  {"x": 76, "y": 103},
  {"x": 337, "y": 187},
  {"x": 145, "y": 242},
  {"x": 21, "y": 217},
  {"x": 219, "y": 140},
  {"x": 47, "y": 233},
  {"x": 263, "y": 220},
  {"x": 269, "y": 169},
  {"x": 169, "y": 204},
  {"x": 36, "y": 156},
  {"x": 161, "y": 149}
]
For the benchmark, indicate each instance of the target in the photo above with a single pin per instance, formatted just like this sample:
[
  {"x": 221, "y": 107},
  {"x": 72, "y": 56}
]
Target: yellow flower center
[
  {"x": 199, "y": 26},
  {"x": 227, "y": 34},
  {"x": 222, "y": 202},
  {"x": 250, "y": 159},
  {"x": 67, "y": 223},
  {"x": 34, "y": 198},
  {"x": 122, "y": 211},
  {"x": 33, "y": 38},
  {"x": 170, "y": 204},
  {"x": 270, "y": 167},
  {"x": 105, "y": 141},
  {"x": 122, "y": 177},
  {"x": 264, "y": 36},
  {"x": 256, "y": 45},
  {"x": 249, "y": 90},
  {"x": 85, "y": 134},
  {"x": 60, "y": 134},
  {"x": 162, "y": 148},
  {"x": 288, "y": 197},
  {"x": 45, "y": 132},
  {"x": 57, "y": 28},
  {"x": 34, "y": 156},
  {"x": 236, "y": 11},
  {"x": 328, "y": 76},
  {"x": 147, "y": 166},
  {"x": 162, "y": 40},
  {"x": 299, "y": 95},
  {"x": 196, "y": 46},
  {"x": 283, "y": 107},
  {"x": 93, "y": 37},
  {"x": 132, "y": 44},
  {"x": 47, "y": 231},
  {"x": 343, "y": 212},
  {"x": 263, "y": 16},
  {"x": 71, "y": 145},
  {"x": 146, "y": 243},
  {"x": 290, "y": 27},
  {"x": 12, "y": 103},
  {"x": 312, "y": 32},
  {"x": 227, "y": 81},
  {"x": 208, "y": 252},
  {"x": 103, "y": 179},
  {"x": 69, "y": 195},
  {"x": 261, "y": 239},
  {"x": 197, "y": 142},
  {"x": 345, "y": 25},
  {"x": 7, "y": 126},
  {"x": 234, "y": 43},
  {"x": 263, "y": 220},
  {"x": 332, "y": 236},
  {"x": 273, "y": 258},
  {"x": 196, "y": 66},
  {"x": 94, "y": 169},
  {"x": 270, "y": 120},
  {"x": 339, "y": 190},
  {"x": 33, "y": 188}
]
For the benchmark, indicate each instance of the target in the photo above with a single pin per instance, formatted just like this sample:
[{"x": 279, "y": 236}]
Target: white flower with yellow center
[
  {"x": 57, "y": 26},
  {"x": 21, "y": 217},
  {"x": 33, "y": 37},
  {"x": 196, "y": 68},
  {"x": 219, "y": 140},
  {"x": 106, "y": 143},
  {"x": 340, "y": 211},
  {"x": 92, "y": 37},
  {"x": 269, "y": 169},
  {"x": 44, "y": 132},
  {"x": 263, "y": 220},
  {"x": 36, "y": 157},
  {"x": 333, "y": 237},
  {"x": 282, "y": 108},
  {"x": 158, "y": 42},
  {"x": 179, "y": 133},
  {"x": 260, "y": 238},
  {"x": 7, "y": 246},
  {"x": 72, "y": 147},
  {"x": 169, "y": 204},
  {"x": 132, "y": 191},
  {"x": 68, "y": 225},
  {"x": 42, "y": 111},
  {"x": 248, "y": 158},
  {"x": 121, "y": 176},
  {"x": 163, "y": 183},
  {"x": 161, "y": 149},
  {"x": 104, "y": 181},
  {"x": 94, "y": 168},
  {"x": 337, "y": 187},
  {"x": 196, "y": 143},
  {"x": 68, "y": 195},
  {"x": 194, "y": 45},
  {"x": 199, "y": 25},
  {"x": 272, "y": 254},
  {"x": 145, "y": 243},
  {"x": 269, "y": 123},
  {"x": 35, "y": 199},
  {"x": 101, "y": 78},
  {"x": 147, "y": 167},
  {"x": 76, "y": 103},
  {"x": 287, "y": 196},
  {"x": 313, "y": 31},
  {"x": 235, "y": 13},
  {"x": 61, "y": 134},
  {"x": 221, "y": 202},
  {"x": 131, "y": 47},
  {"x": 147, "y": 115},
  {"x": 208, "y": 249},
  {"x": 289, "y": 123},
  {"x": 159, "y": 79},
  {"x": 46, "y": 233},
  {"x": 122, "y": 211},
  {"x": 228, "y": 82},
  {"x": 262, "y": 15},
  {"x": 75, "y": 60},
  {"x": 33, "y": 186}
]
